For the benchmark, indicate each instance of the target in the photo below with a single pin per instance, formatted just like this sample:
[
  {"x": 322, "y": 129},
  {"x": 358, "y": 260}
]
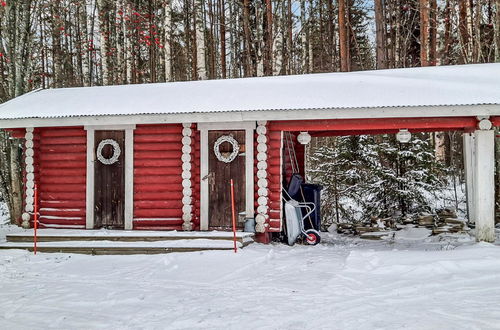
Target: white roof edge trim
[{"x": 256, "y": 115}]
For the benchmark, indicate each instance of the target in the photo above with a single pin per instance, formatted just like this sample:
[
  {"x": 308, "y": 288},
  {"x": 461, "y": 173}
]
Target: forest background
[{"x": 67, "y": 43}]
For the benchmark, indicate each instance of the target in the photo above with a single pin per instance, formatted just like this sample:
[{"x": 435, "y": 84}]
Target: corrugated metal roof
[{"x": 476, "y": 84}]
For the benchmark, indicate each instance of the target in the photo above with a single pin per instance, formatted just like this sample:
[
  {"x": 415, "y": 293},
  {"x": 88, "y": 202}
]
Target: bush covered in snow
[{"x": 376, "y": 176}]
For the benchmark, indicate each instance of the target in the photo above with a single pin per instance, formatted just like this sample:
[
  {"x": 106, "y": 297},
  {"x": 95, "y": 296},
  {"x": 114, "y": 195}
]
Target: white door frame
[
  {"x": 248, "y": 127},
  {"x": 129, "y": 172}
]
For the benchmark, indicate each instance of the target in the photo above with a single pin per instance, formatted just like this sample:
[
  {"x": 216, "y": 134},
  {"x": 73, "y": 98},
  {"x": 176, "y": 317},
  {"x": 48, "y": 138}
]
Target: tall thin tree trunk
[
  {"x": 222, "y": 16},
  {"x": 104, "y": 9},
  {"x": 303, "y": 37},
  {"x": 168, "y": 41},
  {"x": 424, "y": 32},
  {"x": 463, "y": 31},
  {"x": 477, "y": 22},
  {"x": 259, "y": 42},
  {"x": 345, "y": 57},
  {"x": 497, "y": 31},
  {"x": 247, "y": 41},
  {"x": 200, "y": 41},
  {"x": 445, "y": 55},
  {"x": 56, "y": 46},
  {"x": 16, "y": 194},
  {"x": 269, "y": 36},
  {"x": 380, "y": 34},
  {"x": 433, "y": 33},
  {"x": 23, "y": 46}
]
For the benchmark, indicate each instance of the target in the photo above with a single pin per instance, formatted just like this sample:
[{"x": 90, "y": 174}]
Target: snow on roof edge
[{"x": 252, "y": 110}]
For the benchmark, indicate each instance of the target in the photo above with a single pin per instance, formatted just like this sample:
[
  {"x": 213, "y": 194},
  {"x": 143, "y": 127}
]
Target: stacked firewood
[
  {"x": 448, "y": 222},
  {"x": 444, "y": 221},
  {"x": 376, "y": 229},
  {"x": 425, "y": 220}
]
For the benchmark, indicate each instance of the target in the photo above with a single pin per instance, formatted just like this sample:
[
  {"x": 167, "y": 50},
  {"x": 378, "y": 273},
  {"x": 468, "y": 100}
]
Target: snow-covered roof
[{"x": 477, "y": 84}]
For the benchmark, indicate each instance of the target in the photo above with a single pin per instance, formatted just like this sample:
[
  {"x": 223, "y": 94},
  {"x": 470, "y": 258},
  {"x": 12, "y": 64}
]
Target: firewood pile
[
  {"x": 443, "y": 221},
  {"x": 448, "y": 222},
  {"x": 376, "y": 228}
]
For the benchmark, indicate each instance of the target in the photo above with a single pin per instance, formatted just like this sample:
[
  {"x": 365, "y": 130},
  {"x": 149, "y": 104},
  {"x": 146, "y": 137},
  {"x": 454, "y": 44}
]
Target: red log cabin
[{"x": 160, "y": 156}]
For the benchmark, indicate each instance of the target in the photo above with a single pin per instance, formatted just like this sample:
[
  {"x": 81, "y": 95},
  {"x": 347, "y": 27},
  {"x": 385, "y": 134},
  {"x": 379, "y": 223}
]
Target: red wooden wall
[
  {"x": 157, "y": 177},
  {"x": 61, "y": 173}
]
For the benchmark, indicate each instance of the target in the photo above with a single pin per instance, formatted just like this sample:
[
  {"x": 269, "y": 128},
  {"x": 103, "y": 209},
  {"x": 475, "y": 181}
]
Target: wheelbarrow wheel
[{"x": 312, "y": 237}]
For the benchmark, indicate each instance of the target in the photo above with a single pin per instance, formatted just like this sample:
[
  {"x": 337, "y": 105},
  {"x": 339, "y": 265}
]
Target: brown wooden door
[
  {"x": 220, "y": 174},
  {"x": 109, "y": 181}
]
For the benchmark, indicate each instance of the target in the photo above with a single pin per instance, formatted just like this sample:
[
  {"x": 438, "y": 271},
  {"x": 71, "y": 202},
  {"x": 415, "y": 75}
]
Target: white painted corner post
[
  {"x": 484, "y": 181},
  {"x": 187, "y": 191},
  {"x": 469, "y": 161},
  {"x": 30, "y": 177}
]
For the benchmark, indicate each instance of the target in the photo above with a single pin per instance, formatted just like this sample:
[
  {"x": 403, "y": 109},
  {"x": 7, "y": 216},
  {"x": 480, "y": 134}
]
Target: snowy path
[{"x": 347, "y": 285}]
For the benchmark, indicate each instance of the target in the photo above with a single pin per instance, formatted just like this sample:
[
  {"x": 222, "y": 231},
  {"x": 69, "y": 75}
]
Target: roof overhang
[{"x": 269, "y": 115}]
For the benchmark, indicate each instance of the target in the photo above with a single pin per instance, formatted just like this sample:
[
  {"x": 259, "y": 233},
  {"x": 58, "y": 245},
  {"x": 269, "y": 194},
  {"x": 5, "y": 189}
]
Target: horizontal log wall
[
  {"x": 157, "y": 177},
  {"x": 61, "y": 155}
]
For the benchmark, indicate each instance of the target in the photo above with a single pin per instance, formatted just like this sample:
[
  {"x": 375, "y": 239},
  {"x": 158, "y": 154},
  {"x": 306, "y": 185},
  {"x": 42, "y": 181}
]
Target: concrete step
[
  {"x": 58, "y": 235},
  {"x": 103, "y": 247},
  {"x": 101, "y": 242}
]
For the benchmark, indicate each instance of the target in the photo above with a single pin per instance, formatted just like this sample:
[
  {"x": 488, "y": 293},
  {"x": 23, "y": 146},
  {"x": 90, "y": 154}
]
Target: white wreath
[
  {"x": 116, "y": 152},
  {"x": 234, "y": 153}
]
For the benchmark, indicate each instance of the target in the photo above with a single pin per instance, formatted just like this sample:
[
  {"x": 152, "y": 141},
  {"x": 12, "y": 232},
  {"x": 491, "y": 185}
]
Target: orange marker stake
[
  {"x": 35, "y": 224},
  {"x": 234, "y": 216}
]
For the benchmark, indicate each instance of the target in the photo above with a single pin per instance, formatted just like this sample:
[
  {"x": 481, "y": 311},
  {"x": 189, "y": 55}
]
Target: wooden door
[
  {"x": 220, "y": 174},
  {"x": 109, "y": 179}
]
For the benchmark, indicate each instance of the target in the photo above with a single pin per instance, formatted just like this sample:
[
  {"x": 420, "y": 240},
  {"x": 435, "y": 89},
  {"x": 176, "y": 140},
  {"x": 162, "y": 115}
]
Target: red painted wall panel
[
  {"x": 60, "y": 153},
  {"x": 157, "y": 177}
]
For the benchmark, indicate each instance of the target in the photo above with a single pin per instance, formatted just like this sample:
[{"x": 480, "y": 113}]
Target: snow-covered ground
[{"x": 409, "y": 281}]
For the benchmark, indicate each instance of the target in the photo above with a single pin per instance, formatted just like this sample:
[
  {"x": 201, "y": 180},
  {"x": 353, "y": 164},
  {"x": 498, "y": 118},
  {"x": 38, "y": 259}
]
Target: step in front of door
[
  {"x": 59, "y": 235},
  {"x": 102, "y": 247}
]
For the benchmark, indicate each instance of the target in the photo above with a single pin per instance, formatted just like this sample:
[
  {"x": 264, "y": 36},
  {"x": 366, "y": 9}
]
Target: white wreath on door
[
  {"x": 232, "y": 155},
  {"x": 116, "y": 152}
]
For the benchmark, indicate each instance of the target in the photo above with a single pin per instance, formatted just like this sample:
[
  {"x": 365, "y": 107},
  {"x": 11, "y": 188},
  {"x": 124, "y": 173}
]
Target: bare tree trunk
[
  {"x": 104, "y": 8},
  {"x": 497, "y": 32},
  {"x": 445, "y": 58},
  {"x": 433, "y": 33},
  {"x": 200, "y": 41},
  {"x": 269, "y": 37},
  {"x": 380, "y": 34},
  {"x": 477, "y": 22},
  {"x": 222, "y": 14},
  {"x": 22, "y": 49},
  {"x": 304, "y": 37},
  {"x": 424, "y": 32},
  {"x": 345, "y": 57},
  {"x": 278, "y": 44},
  {"x": 168, "y": 41},
  {"x": 463, "y": 31},
  {"x": 289, "y": 44},
  {"x": 129, "y": 48},
  {"x": 247, "y": 41},
  {"x": 83, "y": 44},
  {"x": 56, "y": 46},
  {"x": 16, "y": 202},
  {"x": 259, "y": 39}
]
